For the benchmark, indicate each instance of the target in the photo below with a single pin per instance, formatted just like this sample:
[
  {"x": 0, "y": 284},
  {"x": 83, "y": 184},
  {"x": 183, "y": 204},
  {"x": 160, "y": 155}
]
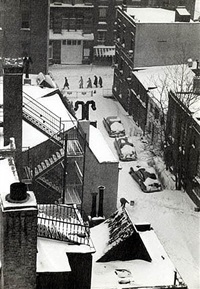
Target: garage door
[{"x": 71, "y": 51}]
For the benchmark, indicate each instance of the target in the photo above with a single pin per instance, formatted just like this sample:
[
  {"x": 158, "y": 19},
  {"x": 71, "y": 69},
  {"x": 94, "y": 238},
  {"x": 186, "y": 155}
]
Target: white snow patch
[{"x": 99, "y": 146}]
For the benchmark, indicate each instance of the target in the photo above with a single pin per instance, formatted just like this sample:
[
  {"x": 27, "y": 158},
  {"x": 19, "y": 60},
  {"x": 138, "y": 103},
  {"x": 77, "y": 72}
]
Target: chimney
[
  {"x": 12, "y": 105},
  {"x": 18, "y": 238},
  {"x": 85, "y": 126},
  {"x": 94, "y": 205},
  {"x": 196, "y": 79},
  {"x": 124, "y": 6},
  {"x": 101, "y": 196}
]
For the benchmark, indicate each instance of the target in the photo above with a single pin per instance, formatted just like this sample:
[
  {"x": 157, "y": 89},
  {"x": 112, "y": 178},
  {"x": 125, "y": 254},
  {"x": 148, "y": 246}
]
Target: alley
[{"x": 171, "y": 213}]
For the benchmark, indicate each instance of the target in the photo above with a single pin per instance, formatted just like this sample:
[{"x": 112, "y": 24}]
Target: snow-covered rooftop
[
  {"x": 151, "y": 15},
  {"x": 99, "y": 146},
  {"x": 159, "y": 80},
  {"x": 76, "y": 35},
  {"x": 158, "y": 272}
]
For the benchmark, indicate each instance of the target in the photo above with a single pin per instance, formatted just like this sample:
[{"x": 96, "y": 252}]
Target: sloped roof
[{"x": 124, "y": 241}]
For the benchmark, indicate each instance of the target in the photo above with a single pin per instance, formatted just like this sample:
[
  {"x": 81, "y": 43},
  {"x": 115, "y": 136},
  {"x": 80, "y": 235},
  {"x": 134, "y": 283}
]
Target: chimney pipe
[
  {"x": 94, "y": 204},
  {"x": 101, "y": 196},
  {"x": 18, "y": 193}
]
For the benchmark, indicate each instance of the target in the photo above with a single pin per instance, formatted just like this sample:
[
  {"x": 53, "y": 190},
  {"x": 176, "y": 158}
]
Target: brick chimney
[
  {"x": 18, "y": 239},
  {"x": 12, "y": 105}
]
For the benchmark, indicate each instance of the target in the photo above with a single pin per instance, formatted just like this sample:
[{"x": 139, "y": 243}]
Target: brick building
[
  {"x": 138, "y": 50},
  {"x": 21, "y": 34},
  {"x": 183, "y": 145}
]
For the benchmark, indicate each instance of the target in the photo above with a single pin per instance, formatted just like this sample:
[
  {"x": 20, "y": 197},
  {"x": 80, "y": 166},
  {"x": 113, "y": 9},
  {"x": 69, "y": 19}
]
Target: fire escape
[{"x": 70, "y": 154}]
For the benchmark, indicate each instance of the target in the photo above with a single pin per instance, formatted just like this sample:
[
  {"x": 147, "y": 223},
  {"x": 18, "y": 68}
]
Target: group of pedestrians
[{"x": 98, "y": 82}]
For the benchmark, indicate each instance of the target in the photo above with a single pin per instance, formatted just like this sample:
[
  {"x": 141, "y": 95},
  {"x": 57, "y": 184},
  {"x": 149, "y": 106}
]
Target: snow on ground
[{"x": 171, "y": 213}]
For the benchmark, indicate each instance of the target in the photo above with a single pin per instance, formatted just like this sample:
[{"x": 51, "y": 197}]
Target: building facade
[
  {"x": 183, "y": 147},
  {"x": 71, "y": 33},
  {"x": 21, "y": 34}
]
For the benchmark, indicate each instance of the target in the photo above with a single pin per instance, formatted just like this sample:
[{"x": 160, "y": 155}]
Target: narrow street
[{"x": 171, "y": 213}]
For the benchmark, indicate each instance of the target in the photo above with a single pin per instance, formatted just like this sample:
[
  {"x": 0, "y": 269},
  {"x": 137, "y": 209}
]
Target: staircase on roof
[
  {"x": 42, "y": 119},
  {"x": 73, "y": 153}
]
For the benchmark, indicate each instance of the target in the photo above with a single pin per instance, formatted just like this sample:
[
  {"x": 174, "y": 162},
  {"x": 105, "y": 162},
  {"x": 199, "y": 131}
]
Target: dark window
[
  {"x": 156, "y": 113},
  {"x": 64, "y": 42},
  {"x": 69, "y": 42},
  {"x": 101, "y": 38},
  {"x": 25, "y": 19},
  {"x": 25, "y": 13},
  {"x": 79, "y": 42}
]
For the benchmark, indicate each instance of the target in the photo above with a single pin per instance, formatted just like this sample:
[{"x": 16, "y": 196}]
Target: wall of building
[
  {"x": 166, "y": 43},
  {"x": 32, "y": 40},
  {"x": 79, "y": 277},
  {"x": 100, "y": 174},
  {"x": 183, "y": 147}
]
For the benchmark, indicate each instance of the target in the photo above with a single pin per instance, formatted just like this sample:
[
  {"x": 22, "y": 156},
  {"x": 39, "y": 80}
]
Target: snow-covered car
[
  {"x": 125, "y": 148},
  {"x": 114, "y": 126},
  {"x": 146, "y": 178}
]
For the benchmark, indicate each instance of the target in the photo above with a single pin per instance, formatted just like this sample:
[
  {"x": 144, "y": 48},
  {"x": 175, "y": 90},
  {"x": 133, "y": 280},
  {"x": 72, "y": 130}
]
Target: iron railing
[
  {"x": 41, "y": 116},
  {"x": 64, "y": 223}
]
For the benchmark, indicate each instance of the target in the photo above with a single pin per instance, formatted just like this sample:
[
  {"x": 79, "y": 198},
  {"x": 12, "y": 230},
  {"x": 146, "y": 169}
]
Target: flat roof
[
  {"x": 151, "y": 15},
  {"x": 159, "y": 79}
]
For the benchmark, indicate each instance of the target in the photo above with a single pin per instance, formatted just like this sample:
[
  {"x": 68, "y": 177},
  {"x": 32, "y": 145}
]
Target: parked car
[
  {"x": 125, "y": 148},
  {"x": 146, "y": 178},
  {"x": 114, "y": 126}
]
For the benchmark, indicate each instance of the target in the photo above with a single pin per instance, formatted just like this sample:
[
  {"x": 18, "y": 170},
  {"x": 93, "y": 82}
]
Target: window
[
  {"x": 50, "y": 51},
  {"x": 156, "y": 113},
  {"x": 64, "y": 42},
  {"x": 25, "y": 14},
  {"x": 25, "y": 19},
  {"x": 86, "y": 53},
  {"x": 102, "y": 12},
  {"x": 101, "y": 37},
  {"x": 69, "y": 42}
]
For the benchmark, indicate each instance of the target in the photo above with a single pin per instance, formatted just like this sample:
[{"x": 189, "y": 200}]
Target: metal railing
[
  {"x": 41, "y": 116},
  {"x": 62, "y": 222}
]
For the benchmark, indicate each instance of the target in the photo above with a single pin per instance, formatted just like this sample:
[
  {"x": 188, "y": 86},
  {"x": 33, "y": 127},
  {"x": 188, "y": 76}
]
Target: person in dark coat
[
  {"x": 66, "y": 84},
  {"x": 27, "y": 61},
  {"x": 89, "y": 83},
  {"x": 100, "y": 81},
  {"x": 95, "y": 81},
  {"x": 81, "y": 82},
  {"x": 123, "y": 202}
]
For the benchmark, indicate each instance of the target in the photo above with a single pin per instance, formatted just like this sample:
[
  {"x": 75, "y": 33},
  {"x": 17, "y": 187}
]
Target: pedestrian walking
[
  {"x": 89, "y": 83},
  {"x": 95, "y": 81},
  {"x": 123, "y": 202},
  {"x": 66, "y": 84},
  {"x": 100, "y": 82},
  {"x": 81, "y": 82},
  {"x": 27, "y": 61}
]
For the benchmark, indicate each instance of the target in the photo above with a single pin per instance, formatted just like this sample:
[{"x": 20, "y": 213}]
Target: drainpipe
[{"x": 101, "y": 196}]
